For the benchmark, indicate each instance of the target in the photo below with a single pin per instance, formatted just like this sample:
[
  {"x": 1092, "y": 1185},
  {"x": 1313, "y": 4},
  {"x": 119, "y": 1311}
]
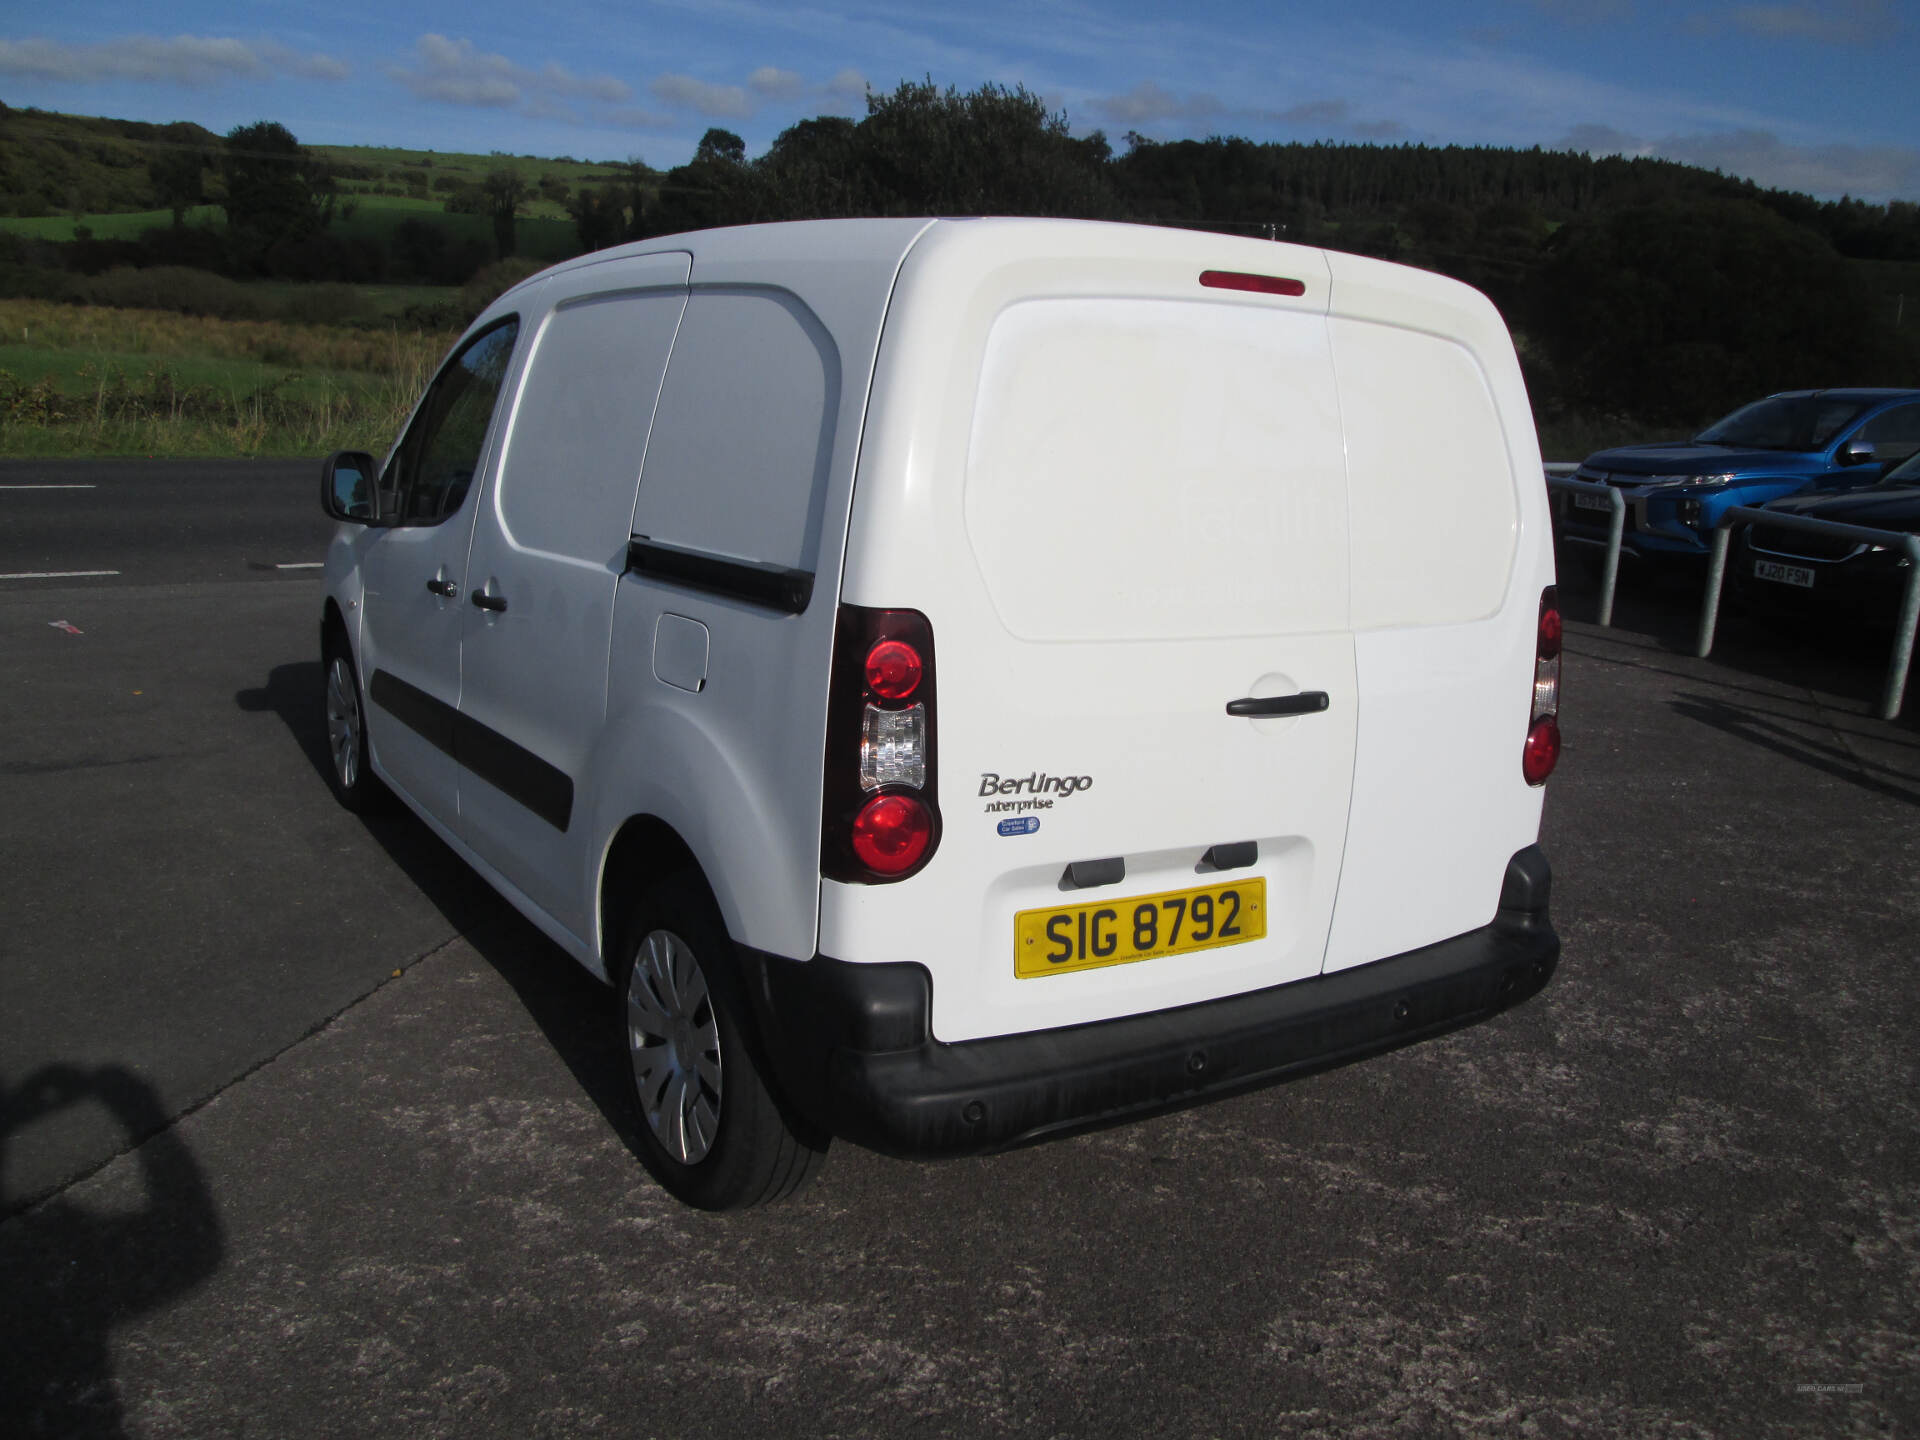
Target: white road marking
[
  {"x": 302, "y": 565},
  {"x": 46, "y": 487},
  {"x": 55, "y": 574}
]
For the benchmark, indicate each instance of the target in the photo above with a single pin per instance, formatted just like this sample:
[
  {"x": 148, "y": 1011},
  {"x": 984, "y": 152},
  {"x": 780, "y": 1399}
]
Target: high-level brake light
[{"x": 1258, "y": 284}]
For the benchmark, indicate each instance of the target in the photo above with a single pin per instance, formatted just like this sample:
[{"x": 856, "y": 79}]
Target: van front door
[{"x": 415, "y": 572}]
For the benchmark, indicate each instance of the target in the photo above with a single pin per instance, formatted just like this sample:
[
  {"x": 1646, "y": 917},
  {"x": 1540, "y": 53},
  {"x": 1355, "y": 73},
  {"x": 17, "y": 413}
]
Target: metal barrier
[
  {"x": 1902, "y": 658},
  {"x": 1616, "y": 526}
]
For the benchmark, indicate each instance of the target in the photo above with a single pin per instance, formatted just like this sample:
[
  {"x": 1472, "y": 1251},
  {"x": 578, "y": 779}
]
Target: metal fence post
[
  {"x": 1896, "y": 689},
  {"x": 1616, "y": 529},
  {"x": 1716, "y": 574},
  {"x": 1616, "y": 526}
]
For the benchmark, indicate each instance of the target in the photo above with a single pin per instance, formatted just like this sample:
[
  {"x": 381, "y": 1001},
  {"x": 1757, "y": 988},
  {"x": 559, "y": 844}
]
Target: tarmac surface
[{"x": 305, "y": 1133}]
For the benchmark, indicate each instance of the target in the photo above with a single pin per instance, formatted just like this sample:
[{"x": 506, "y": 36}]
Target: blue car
[{"x": 1794, "y": 441}]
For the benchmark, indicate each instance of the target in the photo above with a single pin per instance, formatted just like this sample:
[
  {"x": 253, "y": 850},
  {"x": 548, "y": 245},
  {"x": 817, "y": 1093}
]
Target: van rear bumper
[{"x": 852, "y": 1047}]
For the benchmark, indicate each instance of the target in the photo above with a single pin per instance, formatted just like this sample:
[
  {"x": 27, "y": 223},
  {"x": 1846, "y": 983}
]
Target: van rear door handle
[
  {"x": 485, "y": 601},
  {"x": 443, "y": 588},
  {"x": 1307, "y": 702}
]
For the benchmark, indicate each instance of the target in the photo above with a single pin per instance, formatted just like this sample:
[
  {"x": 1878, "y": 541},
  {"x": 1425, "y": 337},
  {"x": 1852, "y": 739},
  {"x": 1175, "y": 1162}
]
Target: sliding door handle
[
  {"x": 1307, "y": 702},
  {"x": 495, "y": 603}
]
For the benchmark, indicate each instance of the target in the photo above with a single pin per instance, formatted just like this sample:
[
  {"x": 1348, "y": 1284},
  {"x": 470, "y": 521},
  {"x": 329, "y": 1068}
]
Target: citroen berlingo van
[{"x": 964, "y": 682}]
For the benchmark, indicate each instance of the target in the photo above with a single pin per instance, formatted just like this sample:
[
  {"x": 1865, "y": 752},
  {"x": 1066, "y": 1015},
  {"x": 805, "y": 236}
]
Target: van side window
[
  {"x": 737, "y": 461},
  {"x": 434, "y": 466},
  {"x": 592, "y": 380}
]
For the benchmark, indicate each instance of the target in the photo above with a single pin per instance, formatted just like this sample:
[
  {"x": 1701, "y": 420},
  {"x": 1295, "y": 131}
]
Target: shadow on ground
[
  {"x": 70, "y": 1273},
  {"x": 1662, "y": 602},
  {"x": 573, "y": 1010}
]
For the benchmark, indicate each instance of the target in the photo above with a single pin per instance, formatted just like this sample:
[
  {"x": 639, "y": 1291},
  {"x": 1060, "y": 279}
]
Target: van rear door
[{"x": 1150, "y": 533}]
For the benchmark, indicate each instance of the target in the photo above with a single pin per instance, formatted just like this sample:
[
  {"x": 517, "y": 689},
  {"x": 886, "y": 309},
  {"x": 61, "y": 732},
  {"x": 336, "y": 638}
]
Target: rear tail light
[
  {"x": 1542, "y": 749},
  {"x": 880, "y": 820}
]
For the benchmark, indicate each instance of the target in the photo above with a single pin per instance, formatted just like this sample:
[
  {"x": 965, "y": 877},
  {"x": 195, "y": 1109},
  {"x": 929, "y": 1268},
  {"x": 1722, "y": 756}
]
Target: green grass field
[
  {"x": 88, "y": 380},
  {"x": 125, "y": 226},
  {"x": 541, "y": 237}
]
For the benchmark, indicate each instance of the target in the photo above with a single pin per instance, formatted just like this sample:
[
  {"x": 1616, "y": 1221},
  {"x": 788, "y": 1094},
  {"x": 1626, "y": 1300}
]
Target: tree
[
  {"x": 504, "y": 190},
  {"x": 278, "y": 193},
  {"x": 722, "y": 147},
  {"x": 598, "y": 217},
  {"x": 177, "y": 169},
  {"x": 1680, "y": 310}
]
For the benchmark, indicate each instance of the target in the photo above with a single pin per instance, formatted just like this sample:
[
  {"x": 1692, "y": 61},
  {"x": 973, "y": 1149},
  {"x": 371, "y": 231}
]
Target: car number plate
[
  {"x": 1140, "y": 927},
  {"x": 1785, "y": 574},
  {"x": 1591, "y": 502}
]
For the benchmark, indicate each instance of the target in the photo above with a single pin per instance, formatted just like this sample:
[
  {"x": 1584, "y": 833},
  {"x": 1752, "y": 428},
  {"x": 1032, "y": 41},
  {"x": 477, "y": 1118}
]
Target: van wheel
[
  {"x": 711, "y": 1130},
  {"x": 354, "y": 783}
]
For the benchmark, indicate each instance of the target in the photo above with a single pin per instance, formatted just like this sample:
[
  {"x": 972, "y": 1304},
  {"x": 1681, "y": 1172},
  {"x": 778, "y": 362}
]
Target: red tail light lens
[
  {"x": 893, "y": 669},
  {"x": 880, "y": 807},
  {"x": 1548, "y": 647},
  {"x": 1541, "y": 751},
  {"x": 891, "y": 833}
]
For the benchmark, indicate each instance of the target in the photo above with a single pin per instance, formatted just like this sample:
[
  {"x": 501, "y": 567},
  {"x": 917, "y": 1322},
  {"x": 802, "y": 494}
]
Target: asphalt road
[
  {"x": 182, "y": 896},
  {"x": 1677, "y": 1195}
]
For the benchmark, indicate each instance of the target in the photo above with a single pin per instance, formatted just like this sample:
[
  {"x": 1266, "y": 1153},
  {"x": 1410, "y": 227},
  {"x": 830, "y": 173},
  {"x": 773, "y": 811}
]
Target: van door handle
[
  {"x": 1307, "y": 702},
  {"x": 495, "y": 603},
  {"x": 446, "y": 589}
]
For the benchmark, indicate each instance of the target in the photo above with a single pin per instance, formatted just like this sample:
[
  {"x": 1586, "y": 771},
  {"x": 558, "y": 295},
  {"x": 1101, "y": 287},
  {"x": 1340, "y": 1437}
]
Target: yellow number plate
[{"x": 1141, "y": 927}]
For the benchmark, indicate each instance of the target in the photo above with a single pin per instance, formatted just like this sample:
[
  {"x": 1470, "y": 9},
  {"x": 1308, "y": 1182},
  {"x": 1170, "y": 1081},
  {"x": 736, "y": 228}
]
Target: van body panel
[
  {"x": 550, "y": 541},
  {"x": 1452, "y": 552},
  {"x": 1438, "y": 797},
  {"x": 752, "y": 459},
  {"x": 1149, "y": 477}
]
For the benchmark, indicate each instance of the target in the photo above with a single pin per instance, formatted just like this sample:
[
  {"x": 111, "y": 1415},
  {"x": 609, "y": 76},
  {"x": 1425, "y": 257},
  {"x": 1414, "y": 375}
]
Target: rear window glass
[
  {"x": 1158, "y": 469},
  {"x": 1784, "y": 422}
]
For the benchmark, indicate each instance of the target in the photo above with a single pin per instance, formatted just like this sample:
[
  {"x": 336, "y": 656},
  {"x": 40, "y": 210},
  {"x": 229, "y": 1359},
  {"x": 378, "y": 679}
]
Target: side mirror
[
  {"x": 1857, "y": 452},
  {"x": 349, "y": 488}
]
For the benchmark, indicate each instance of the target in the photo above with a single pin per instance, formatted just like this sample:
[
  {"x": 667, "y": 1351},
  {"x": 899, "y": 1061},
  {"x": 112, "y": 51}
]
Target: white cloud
[
  {"x": 1866, "y": 172},
  {"x": 848, "y": 84},
  {"x": 455, "y": 72},
  {"x": 1149, "y": 104},
  {"x": 1838, "y": 22},
  {"x": 715, "y": 102},
  {"x": 193, "y": 60},
  {"x": 776, "y": 84}
]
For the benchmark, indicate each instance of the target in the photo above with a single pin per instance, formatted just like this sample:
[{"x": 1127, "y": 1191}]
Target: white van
[{"x": 969, "y": 681}]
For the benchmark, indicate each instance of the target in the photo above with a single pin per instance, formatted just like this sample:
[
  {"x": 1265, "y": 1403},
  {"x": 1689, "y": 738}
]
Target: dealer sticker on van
[
  {"x": 1020, "y": 825},
  {"x": 1145, "y": 927}
]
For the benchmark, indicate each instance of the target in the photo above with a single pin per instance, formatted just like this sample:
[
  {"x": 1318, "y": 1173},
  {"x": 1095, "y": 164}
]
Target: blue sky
[{"x": 1815, "y": 95}]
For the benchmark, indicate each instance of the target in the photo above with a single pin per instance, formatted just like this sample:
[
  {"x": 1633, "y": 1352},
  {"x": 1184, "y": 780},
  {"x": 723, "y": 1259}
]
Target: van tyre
[
  {"x": 354, "y": 783},
  {"x": 710, "y": 1128}
]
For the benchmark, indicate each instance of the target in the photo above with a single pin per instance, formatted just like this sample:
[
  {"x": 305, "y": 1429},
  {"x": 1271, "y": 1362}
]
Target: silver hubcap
[
  {"x": 343, "y": 722},
  {"x": 674, "y": 1041}
]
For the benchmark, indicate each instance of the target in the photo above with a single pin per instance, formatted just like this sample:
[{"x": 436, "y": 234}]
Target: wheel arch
[
  {"x": 644, "y": 848},
  {"x": 331, "y": 620}
]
